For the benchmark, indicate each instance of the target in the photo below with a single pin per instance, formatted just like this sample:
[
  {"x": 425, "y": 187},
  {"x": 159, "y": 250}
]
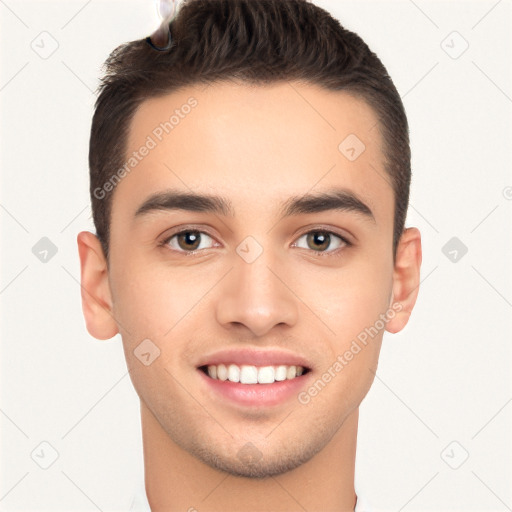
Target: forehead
[{"x": 257, "y": 143}]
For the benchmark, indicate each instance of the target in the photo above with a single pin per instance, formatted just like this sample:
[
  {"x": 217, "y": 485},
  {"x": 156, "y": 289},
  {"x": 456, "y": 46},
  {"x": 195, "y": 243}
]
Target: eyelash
[{"x": 164, "y": 243}]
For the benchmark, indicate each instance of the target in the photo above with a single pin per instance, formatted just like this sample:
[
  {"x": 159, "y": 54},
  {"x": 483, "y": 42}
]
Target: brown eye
[
  {"x": 188, "y": 241},
  {"x": 320, "y": 241}
]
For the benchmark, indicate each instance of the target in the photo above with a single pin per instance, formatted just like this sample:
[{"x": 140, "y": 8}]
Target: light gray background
[{"x": 443, "y": 384}]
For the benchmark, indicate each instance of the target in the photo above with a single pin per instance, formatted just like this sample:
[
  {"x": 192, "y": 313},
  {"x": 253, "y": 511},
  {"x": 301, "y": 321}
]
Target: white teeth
[
  {"x": 280, "y": 373},
  {"x": 212, "y": 372},
  {"x": 222, "y": 372},
  {"x": 266, "y": 375},
  {"x": 248, "y": 374},
  {"x": 291, "y": 372},
  {"x": 234, "y": 373}
]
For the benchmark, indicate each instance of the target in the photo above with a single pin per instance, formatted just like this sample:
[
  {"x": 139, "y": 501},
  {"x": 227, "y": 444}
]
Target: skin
[{"x": 256, "y": 146}]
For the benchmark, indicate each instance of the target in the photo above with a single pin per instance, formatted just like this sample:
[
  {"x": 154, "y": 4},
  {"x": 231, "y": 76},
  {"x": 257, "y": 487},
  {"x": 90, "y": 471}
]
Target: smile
[
  {"x": 249, "y": 374},
  {"x": 253, "y": 377}
]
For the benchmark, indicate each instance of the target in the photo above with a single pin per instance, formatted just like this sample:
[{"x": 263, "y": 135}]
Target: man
[{"x": 249, "y": 184}]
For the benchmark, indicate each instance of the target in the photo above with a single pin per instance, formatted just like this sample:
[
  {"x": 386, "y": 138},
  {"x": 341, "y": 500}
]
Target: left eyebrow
[{"x": 332, "y": 199}]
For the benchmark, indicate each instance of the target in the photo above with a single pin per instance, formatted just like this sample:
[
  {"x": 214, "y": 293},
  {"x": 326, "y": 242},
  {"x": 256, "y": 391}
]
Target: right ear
[{"x": 95, "y": 288}]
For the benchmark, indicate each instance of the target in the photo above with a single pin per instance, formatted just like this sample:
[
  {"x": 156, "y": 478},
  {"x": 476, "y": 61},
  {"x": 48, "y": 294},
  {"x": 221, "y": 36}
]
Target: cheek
[
  {"x": 352, "y": 306},
  {"x": 351, "y": 303},
  {"x": 350, "y": 298},
  {"x": 150, "y": 300}
]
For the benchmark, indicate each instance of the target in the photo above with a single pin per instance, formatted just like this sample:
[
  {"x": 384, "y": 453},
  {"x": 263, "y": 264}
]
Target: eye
[
  {"x": 191, "y": 240},
  {"x": 320, "y": 241},
  {"x": 187, "y": 241}
]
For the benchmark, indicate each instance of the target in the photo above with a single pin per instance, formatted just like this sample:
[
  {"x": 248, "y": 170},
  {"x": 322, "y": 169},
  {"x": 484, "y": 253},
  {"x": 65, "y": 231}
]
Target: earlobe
[
  {"x": 406, "y": 279},
  {"x": 95, "y": 288}
]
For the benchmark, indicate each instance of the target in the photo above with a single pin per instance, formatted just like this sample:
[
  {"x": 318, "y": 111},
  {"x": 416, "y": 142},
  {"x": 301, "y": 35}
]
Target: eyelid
[{"x": 346, "y": 237}]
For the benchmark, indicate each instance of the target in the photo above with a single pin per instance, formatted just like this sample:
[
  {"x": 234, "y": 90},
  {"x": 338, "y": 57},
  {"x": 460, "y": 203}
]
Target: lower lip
[{"x": 256, "y": 394}]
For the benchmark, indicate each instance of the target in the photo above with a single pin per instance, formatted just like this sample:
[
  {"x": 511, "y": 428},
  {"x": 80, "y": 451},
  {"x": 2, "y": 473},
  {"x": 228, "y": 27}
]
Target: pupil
[
  {"x": 322, "y": 239},
  {"x": 189, "y": 236}
]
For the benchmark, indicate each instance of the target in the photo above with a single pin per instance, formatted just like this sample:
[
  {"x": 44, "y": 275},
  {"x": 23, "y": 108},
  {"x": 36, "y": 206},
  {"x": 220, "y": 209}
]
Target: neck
[{"x": 175, "y": 480}]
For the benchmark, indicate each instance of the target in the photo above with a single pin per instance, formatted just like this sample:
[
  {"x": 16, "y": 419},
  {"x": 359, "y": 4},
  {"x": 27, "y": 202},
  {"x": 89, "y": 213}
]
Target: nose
[{"x": 257, "y": 295}]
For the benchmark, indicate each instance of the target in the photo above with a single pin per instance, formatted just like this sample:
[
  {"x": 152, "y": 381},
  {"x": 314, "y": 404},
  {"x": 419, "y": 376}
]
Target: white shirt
[{"x": 140, "y": 501}]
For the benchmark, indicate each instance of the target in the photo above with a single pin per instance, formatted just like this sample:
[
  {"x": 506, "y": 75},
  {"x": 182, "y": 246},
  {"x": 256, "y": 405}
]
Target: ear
[
  {"x": 96, "y": 294},
  {"x": 406, "y": 279}
]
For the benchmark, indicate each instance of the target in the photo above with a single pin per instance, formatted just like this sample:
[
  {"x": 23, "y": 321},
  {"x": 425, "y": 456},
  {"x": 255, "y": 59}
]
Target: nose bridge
[{"x": 256, "y": 295}]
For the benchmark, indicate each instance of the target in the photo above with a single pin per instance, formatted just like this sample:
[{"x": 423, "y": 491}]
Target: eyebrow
[{"x": 334, "y": 199}]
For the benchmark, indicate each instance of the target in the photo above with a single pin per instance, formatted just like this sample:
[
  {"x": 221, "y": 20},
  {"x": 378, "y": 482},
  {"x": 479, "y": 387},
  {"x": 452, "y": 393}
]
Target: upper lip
[{"x": 254, "y": 357}]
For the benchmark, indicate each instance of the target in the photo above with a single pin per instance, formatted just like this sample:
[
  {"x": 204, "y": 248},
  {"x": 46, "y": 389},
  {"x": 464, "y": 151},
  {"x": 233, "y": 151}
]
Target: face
[{"x": 263, "y": 277}]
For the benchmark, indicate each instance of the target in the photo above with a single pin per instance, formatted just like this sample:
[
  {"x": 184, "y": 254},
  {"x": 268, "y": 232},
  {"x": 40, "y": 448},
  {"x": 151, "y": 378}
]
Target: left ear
[{"x": 406, "y": 279}]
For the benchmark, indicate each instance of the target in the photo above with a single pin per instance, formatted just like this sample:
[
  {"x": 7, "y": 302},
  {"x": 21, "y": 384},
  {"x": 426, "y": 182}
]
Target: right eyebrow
[{"x": 177, "y": 200}]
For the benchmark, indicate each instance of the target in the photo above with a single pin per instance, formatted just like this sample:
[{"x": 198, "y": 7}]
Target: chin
[{"x": 250, "y": 462}]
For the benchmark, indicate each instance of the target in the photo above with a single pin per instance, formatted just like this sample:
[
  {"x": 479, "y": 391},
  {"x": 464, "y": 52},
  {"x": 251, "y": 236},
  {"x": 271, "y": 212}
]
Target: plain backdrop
[{"x": 435, "y": 429}]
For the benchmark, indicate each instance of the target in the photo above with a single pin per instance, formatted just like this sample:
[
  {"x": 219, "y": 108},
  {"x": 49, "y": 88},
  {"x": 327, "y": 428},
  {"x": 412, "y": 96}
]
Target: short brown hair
[{"x": 256, "y": 42}]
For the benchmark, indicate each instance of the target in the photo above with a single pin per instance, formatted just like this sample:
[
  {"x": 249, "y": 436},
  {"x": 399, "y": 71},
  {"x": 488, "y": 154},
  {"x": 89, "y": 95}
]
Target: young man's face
[{"x": 258, "y": 279}]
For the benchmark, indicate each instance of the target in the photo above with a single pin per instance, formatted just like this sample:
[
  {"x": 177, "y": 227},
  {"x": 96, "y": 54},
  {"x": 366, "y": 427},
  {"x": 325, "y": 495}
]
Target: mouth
[
  {"x": 251, "y": 374},
  {"x": 254, "y": 387},
  {"x": 255, "y": 378}
]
